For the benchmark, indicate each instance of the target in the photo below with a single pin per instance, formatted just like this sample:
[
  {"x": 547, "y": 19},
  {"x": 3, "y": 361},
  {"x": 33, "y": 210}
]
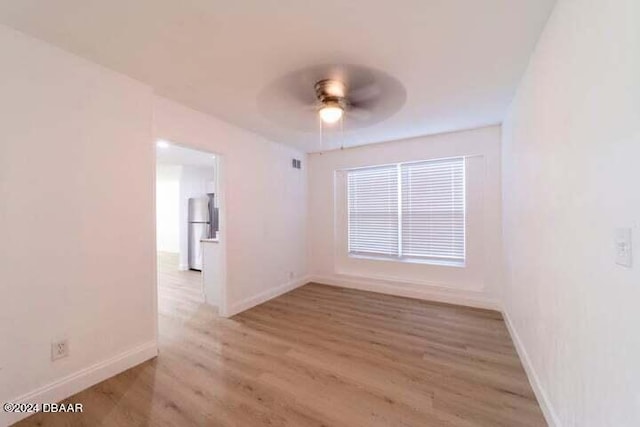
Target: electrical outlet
[{"x": 59, "y": 349}]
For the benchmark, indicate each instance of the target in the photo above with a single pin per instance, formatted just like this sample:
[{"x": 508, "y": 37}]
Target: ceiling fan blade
[
  {"x": 358, "y": 114},
  {"x": 369, "y": 92}
]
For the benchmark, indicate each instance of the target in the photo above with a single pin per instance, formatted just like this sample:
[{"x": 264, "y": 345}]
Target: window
[{"x": 410, "y": 211}]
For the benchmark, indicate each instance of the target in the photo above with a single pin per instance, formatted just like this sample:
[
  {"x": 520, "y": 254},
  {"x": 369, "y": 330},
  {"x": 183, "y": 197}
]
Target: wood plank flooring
[{"x": 317, "y": 356}]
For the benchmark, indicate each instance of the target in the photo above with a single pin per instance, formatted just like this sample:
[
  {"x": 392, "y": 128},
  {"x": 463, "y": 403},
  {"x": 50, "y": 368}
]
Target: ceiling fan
[{"x": 353, "y": 95}]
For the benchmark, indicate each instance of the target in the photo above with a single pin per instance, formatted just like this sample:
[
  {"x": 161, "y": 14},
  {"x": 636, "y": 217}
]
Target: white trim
[
  {"x": 444, "y": 262},
  {"x": 82, "y": 379},
  {"x": 550, "y": 414},
  {"x": 183, "y": 267},
  {"x": 221, "y": 186},
  {"x": 265, "y": 296},
  {"x": 420, "y": 291},
  {"x": 419, "y": 284}
]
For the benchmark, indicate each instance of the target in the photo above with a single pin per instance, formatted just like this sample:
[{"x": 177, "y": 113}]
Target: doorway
[{"x": 187, "y": 230}]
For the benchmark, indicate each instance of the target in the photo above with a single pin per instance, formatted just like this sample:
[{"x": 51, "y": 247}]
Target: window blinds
[
  {"x": 408, "y": 210},
  {"x": 433, "y": 209},
  {"x": 373, "y": 210}
]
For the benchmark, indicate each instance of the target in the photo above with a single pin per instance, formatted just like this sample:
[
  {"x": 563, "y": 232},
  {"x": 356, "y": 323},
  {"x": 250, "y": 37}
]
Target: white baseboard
[
  {"x": 264, "y": 296},
  {"x": 410, "y": 290},
  {"x": 549, "y": 413},
  {"x": 183, "y": 267},
  {"x": 80, "y": 380}
]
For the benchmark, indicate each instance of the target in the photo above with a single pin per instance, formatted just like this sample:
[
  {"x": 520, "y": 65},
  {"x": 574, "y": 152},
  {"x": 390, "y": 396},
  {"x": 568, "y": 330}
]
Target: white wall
[
  {"x": 168, "y": 207},
  {"x": 195, "y": 181},
  {"x": 570, "y": 160},
  {"x": 475, "y": 284},
  {"x": 212, "y": 280},
  {"x": 77, "y": 255},
  {"x": 77, "y": 246},
  {"x": 264, "y": 206}
]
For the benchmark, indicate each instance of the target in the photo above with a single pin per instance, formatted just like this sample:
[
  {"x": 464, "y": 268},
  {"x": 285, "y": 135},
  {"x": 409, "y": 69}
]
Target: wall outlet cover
[{"x": 59, "y": 349}]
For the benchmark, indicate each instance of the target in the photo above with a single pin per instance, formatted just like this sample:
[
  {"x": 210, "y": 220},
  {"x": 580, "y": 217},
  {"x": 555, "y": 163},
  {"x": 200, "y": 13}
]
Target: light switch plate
[{"x": 623, "y": 247}]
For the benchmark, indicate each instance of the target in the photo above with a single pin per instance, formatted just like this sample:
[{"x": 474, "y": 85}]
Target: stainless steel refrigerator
[{"x": 203, "y": 224}]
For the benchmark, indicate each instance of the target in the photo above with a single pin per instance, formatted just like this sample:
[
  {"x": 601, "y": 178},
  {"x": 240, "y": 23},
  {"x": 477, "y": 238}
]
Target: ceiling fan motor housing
[{"x": 331, "y": 93}]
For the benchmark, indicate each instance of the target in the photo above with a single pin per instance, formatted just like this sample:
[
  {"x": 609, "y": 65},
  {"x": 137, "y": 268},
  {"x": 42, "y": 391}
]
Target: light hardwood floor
[{"x": 317, "y": 356}]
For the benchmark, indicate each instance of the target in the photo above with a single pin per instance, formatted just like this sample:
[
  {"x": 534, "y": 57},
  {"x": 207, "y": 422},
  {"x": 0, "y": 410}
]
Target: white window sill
[{"x": 408, "y": 260}]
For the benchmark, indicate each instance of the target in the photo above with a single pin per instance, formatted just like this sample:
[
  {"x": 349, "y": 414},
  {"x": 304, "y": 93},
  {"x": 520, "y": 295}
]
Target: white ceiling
[
  {"x": 177, "y": 155},
  {"x": 459, "y": 60}
]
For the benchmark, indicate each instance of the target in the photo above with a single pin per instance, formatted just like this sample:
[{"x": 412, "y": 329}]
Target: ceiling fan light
[{"x": 331, "y": 113}]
